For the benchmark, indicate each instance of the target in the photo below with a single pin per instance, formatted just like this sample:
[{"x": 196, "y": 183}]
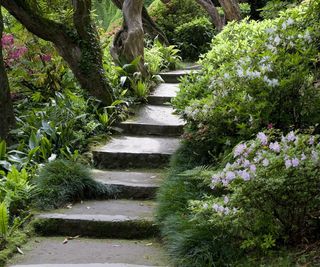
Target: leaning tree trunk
[
  {"x": 213, "y": 13},
  {"x": 79, "y": 47},
  {"x": 231, "y": 9},
  {"x": 7, "y": 119},
  {"x": 149, "y": 26},
  {"x": 128, "y": 43}
]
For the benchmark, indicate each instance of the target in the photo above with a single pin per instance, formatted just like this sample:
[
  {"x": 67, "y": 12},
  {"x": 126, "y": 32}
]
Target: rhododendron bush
[{"x": 257, "y": 73}]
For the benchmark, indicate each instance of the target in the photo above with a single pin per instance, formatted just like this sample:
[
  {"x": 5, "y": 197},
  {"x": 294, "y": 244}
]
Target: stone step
[
  {"x": 130, "y": 184},
  {"x": 153, "y": 120},
  {"x": 110, "y": 218},
  {"x": 80, "y": 252},
  {"x": 174, "y": 76},
  {"x": 163, "y": 93},
  {"x": 135, "y": 152}
]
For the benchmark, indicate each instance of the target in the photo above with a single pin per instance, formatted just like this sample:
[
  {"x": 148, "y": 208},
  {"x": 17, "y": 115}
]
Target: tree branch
[
  {"x": 81, "y": 17},
  {"x": 49, "y": 29},
  {"x": 213, "y": 13}
]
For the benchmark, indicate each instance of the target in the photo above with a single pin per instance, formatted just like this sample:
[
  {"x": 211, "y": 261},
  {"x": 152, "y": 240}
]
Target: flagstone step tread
[
  {"x": 163, "y": 93},
  {"x": 108, "y": 218},
  {"x": 80, "y": 252},
  {"x": 135, "y": 152},
  {"x": 174, "y": 76},
  {"x": 153, "y": 120},
  {"x": 130, "y": 184}
]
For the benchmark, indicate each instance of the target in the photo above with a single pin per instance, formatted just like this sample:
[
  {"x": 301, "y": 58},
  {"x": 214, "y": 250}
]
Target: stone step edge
[
  {"x": 111, "y": 226},
  {"x": 85, "y": 264}
]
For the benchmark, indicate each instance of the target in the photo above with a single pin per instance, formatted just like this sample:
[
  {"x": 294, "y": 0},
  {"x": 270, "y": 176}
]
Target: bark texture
[
  {"x": 231, "y": 9},
  {"x": 213, "y": 13},
  {"x": 7, "y": 119},
  {"x": 149, "y": 26},
  {"x": 81, "y": 49},
  {"x": 128, "y": 43}
]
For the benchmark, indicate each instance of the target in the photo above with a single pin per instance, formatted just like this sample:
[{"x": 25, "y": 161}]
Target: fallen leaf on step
[
  {"x": 66, "y": 240},
  {"x": 88, "y": 208},
  {"x": 116, "y": 246},
  {"x": 69, "y": 206},
  {"x": 149, "y": 244},
  {"x": 20, "y": 251}
]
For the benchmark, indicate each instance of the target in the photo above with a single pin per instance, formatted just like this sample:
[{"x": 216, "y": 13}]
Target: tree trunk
[
  {"x": 7, "y": 119},
  {"x": 81, "y": 50},
  {"x": 213, "y": 13},
  {"x": 231, "y": 9},
  {"x": 128, "y": 43},
  {"x": 149, "y": 26}
]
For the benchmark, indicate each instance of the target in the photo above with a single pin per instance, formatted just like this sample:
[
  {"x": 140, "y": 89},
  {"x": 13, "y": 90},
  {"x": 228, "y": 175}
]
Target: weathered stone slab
[
  {"x": 163, "y": 93},
  {"x": 80, "y": 252},
  {"x": 112, "y": 218},
  {"x": 130, "y": 184},
  {"x": 135, "y": 152},
  {"x": 174, "y": 76},
  {"x": 153, "y": 120}
]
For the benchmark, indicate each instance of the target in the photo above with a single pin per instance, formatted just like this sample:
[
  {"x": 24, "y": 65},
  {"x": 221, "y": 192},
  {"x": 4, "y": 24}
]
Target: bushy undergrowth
[
  {"x": 193, "y": 38},
  {"x": 258, "y": 203},
  {"x": 261, "y": 200},
  {"x": 257, "y": 74},
  {"x": 61, "y": 182}
]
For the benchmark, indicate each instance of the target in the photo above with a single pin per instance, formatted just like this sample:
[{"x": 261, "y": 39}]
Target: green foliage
[
  {"x": 194, "y": 38},
  {"x": 159, "y": 57},
  {"x": 274, "y": 7},
  {"x": 106, "y": 12},
  {"x": 257, "y": 74},
  {"x": 4, "y": 220},
  {"x": 174, "y": 14},
  {"x": 61, "y": 182}
]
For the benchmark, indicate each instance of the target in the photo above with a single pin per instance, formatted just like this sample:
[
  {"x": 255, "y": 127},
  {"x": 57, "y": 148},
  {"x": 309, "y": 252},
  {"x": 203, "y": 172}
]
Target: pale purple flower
[
  {"x": 291, "y": 136},
  {"x": 311, "y": 140},
  {"x": 295, "y": 162},
  {"x": 303, "y": 156},
  {"x": 275, "y": 147},
  {"x": 226, "y": 200},
  {"x": 244, "y": 175},
  {"x": 239, "y": 149},
  {"x": 263, "y": 138},
  {"x": 253, "y": 168},
  {"x": 215, "y": 207},
  {"x": 246, "y": 163},
  {"x": 265, "y": 162},
  {"x": 230, "y": 176},
  {"x": 314, "y": 155},
  {"x": 226, "y": 210},
  {"x": 288, "y": 163}
]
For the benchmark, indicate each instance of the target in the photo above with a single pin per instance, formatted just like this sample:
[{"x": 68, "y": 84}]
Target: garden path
[{"x": 120, "y": 232}]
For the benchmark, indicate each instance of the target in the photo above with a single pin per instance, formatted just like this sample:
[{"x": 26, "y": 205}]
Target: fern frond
[{"x": 4, "y": 220}]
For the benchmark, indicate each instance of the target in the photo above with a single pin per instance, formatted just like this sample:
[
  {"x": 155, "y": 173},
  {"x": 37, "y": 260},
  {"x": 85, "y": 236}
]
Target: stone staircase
[{"x": 120, "y": 232}]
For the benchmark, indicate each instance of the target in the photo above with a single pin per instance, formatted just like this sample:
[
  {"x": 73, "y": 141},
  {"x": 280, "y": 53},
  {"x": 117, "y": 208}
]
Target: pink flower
[
  {"x": 7, "y": 40},
  {"x": 270, "y": 126},
  {"x": 45, "y": 57}
]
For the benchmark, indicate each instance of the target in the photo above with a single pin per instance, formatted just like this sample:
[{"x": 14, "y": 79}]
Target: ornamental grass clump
[{"x": 268, "y": 195}]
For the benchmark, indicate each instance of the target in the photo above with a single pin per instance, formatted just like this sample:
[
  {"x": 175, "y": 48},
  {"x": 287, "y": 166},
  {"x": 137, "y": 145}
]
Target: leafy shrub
[
  {"x": 194, "y": 37},
  {"x": 257, "y": 74},
  {"x": 264, "y": 198},
  {"x": 61, "y": 182},
  {"x": 159, "y": 57},
  {"x": 173, "y": 14},
  {"x": 267, "y": 196}
]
